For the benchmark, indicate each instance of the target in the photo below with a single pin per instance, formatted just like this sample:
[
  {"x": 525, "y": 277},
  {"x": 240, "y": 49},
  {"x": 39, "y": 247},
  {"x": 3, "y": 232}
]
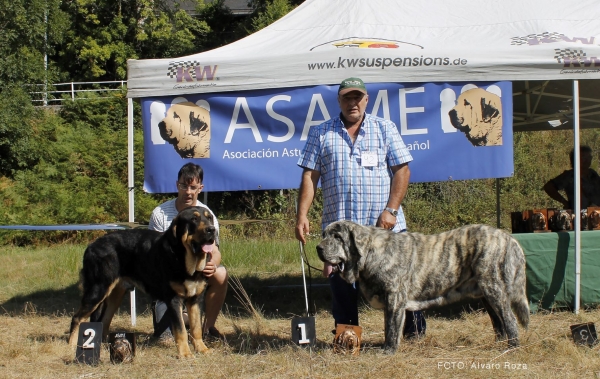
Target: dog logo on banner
[
  {"x": 187, "y": 127},
  {"x": 478, "y": 114}
]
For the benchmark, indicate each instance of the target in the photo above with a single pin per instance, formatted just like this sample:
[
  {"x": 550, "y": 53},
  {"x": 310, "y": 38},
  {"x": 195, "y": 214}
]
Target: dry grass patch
[
  {"x": 39, "y": 295},
  {"x": 36, "y": 346}
]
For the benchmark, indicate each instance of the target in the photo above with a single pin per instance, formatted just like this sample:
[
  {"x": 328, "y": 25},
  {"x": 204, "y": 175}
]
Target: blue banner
[{"x": 251, "y": 140}]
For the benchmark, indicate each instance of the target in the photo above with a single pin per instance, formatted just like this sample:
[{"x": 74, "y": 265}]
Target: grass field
[{"x": 39, "y": 294}]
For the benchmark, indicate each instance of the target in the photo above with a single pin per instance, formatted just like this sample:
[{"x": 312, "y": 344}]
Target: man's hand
[
  {"x": 308, "y": 187},
  {"x": 302, "y": 228},
  {"x": 386, "y": 220},
  {"x": 209, "y": 269}
]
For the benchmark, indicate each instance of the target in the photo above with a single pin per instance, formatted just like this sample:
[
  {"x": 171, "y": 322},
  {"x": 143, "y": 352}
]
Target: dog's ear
[
  {"x": 358, "y": 238},
  {"x": 488, "y": 111},
  {"x": 180, "y": 226},
  {"x": 174, "y": 224}
]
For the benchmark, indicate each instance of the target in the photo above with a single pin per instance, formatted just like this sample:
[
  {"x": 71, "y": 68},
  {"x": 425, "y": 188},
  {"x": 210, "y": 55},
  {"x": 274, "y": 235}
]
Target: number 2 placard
[{"x": 89, "y": 342}]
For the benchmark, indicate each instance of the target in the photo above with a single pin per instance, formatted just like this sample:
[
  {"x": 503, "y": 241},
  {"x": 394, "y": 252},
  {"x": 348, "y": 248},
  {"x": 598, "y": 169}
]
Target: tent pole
[
  {"x": 130, "y": 158},
  {"x": 130, "y": 188},
  {"x": 577, "y": 210},
  {"x": 498, "y": 203}
]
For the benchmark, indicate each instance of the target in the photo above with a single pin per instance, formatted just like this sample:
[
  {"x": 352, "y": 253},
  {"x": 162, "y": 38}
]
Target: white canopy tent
[{"x": 324, "y": 41}]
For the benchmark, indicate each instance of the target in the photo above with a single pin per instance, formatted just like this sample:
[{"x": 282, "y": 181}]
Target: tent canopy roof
[{"x": 325, "y": 41}]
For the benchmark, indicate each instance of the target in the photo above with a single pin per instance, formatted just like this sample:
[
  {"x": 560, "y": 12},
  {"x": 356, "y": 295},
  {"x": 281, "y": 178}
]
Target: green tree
[
  {"x": 20, "y": 126},
  {"x": 267, "y": 12},
  {"x": 79, "y": 171},
  {"x": 106, "y": 33},
  {"x": 224, "y": 26},
  {"x": 29, "y": 29}
]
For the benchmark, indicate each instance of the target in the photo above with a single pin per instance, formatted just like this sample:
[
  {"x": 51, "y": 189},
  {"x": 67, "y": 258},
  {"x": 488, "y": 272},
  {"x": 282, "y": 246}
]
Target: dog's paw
[
  {"x": 184, "y": 352},
  {"x": 202, "y": 349}
]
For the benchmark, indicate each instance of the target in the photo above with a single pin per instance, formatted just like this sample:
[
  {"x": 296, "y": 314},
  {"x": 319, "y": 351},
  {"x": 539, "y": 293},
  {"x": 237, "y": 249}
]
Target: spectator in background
[{"x": 589, "y": 186}]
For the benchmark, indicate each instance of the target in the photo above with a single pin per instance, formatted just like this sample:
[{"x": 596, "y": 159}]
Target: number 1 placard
[
  {"x": 303, "y": 331},
  {"x": 89, "y": 342}
]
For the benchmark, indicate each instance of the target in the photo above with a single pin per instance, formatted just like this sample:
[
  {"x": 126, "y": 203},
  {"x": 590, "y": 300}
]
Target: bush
[{"x": 71, "y": 168}]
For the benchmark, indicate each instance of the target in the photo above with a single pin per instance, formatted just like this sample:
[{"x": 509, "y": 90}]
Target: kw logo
[
  {"x": 547, "y": 37},
  {"x": 371, "y": 44},
  {"x": 190, "y": 71},
  {"x": 575, "y": 58}
]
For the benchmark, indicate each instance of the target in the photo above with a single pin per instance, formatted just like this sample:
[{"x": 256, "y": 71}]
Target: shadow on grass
[
  {"x": 279, "y": 296},
  {"x": 275, "y": 297},
  {"x": 63, "y": 301},
  {"x": 454, "y": 311}
]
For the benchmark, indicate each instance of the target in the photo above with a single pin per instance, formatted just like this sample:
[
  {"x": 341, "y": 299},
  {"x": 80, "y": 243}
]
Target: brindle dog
[{"x": 412, "y": 271}]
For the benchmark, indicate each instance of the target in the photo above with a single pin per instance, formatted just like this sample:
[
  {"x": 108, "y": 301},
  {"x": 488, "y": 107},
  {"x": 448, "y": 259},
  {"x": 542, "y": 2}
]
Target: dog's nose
[
  {"x": 453, "y": 118},
  {"x": 209, "y": 229},
  {"x": 320, "y": 250}
]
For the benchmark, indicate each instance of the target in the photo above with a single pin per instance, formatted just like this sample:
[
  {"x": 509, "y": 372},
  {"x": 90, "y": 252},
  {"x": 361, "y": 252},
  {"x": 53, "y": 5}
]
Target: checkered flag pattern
[
  {"x": 561, "y": 54},
  {"x": 546, "y": 35},
  {"x": 174, "y": 66}
]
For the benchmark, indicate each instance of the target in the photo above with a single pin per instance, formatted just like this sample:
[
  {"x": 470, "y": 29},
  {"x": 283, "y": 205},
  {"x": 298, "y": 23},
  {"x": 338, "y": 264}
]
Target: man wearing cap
[{"x": 362, "y": 163}]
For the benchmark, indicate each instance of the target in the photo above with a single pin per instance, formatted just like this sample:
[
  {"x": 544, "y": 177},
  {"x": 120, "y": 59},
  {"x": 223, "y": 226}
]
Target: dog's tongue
[{"x": 207, "y": 248}]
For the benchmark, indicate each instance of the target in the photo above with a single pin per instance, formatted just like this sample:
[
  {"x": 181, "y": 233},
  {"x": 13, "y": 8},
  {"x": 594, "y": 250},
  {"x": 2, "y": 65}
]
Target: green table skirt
[{"x": 551, "y": 268}]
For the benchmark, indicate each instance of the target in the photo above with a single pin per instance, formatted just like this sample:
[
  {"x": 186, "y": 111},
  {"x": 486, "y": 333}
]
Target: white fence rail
[{"x": 56, "y": 93}]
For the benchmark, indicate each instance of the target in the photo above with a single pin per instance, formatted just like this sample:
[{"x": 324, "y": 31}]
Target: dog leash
[{"x": 302, "y": 255}]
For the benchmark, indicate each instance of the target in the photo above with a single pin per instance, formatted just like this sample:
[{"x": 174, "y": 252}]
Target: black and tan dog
[{"x": 167, "y": 266}]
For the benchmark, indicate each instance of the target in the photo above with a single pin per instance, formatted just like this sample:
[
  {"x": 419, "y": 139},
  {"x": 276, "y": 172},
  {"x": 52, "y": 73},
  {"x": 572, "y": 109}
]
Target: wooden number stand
[
  {"x": 122, "y": 347},
  {"x": 593, "y": 216},
  {"x": 561, "y": 220},
  {"x": 538, "y": 220},
  {"x": 347, "y": 339}
]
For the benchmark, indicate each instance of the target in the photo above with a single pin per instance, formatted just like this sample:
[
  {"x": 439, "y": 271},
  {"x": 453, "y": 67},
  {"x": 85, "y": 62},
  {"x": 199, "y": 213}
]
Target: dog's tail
[
  {"x": 521, "y": 309},
  {"x": 519, "y": 303}
]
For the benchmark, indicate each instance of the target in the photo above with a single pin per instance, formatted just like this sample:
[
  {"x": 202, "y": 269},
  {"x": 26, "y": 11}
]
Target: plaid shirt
[{"x": 351, "y": 191}]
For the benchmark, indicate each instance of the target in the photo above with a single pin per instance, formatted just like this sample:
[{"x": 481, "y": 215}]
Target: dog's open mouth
[
  {"x": 206, "y": 246},
  {"x": 338, "y": 267}
]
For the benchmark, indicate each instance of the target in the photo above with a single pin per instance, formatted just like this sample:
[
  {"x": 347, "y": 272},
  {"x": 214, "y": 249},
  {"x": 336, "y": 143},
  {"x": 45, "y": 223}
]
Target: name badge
[{"x": 369, "y": 159}]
